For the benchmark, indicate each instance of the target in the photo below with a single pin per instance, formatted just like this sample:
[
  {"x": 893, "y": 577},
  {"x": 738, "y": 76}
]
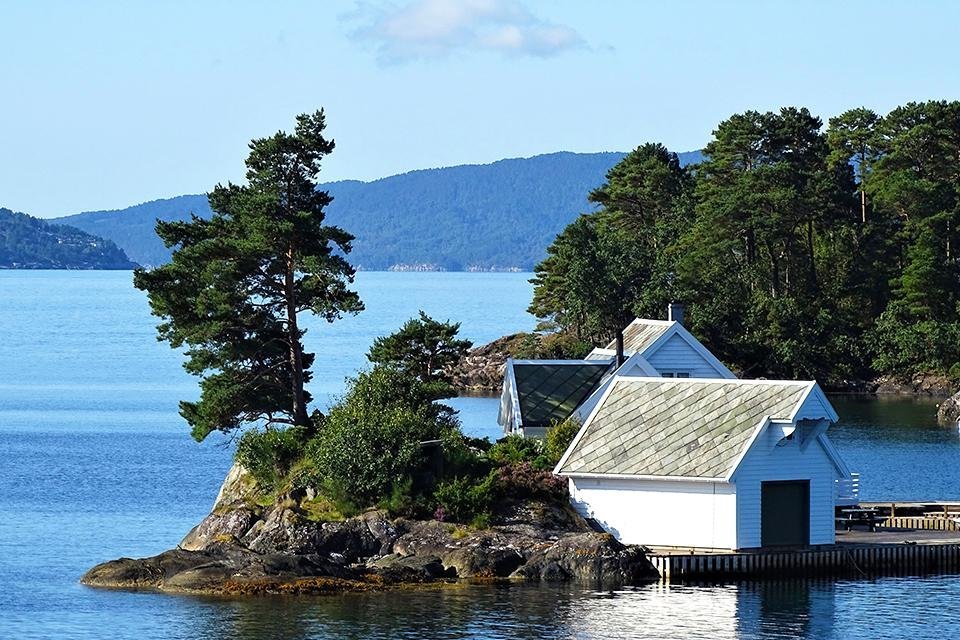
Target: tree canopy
[
  {"x": 237, "y": 283},
  {"x": 423, "y": 349},
  {"x": 801, "y": 252}
]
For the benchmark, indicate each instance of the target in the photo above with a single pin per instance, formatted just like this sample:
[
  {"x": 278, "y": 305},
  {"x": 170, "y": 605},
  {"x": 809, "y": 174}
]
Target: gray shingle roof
[
  {"x": 640, "y": 334},
  {"x": 678, "y": 427},
  {"x": 550, "y": 392}
]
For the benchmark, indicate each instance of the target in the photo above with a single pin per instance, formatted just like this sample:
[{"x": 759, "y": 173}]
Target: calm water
[{"x": 96, "y": 463}]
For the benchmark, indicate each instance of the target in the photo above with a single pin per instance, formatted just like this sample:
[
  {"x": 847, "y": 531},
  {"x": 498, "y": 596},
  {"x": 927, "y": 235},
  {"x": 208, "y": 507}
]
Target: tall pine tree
[{"x": 233, "y": 293}]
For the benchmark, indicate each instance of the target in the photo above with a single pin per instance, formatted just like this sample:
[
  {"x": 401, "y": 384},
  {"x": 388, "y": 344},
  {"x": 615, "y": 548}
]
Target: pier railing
[{"x": 847, "y": 490}]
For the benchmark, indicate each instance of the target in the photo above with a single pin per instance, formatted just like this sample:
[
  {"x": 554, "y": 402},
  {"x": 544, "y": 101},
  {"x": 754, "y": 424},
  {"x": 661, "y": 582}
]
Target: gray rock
[
  {"x": 396, "y": 568},
  {"x": 483, "y": 561},
  {"x": 590, "y": 558},
  {"x": 949, "y": 410}
]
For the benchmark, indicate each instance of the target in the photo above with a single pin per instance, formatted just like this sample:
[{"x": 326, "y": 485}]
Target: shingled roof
[
  {"x": 640, "y": 334},
  {"x": 693, "y": 428}
]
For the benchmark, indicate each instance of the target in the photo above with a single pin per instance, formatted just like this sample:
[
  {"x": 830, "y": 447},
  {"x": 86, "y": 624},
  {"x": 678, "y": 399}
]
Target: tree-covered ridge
[
  {"x": 802, "y": 253},
  {"x": 494, "y": 216},
  {"x": 30, "y": 243}
]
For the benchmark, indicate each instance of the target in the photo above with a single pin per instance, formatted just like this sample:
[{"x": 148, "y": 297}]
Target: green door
[{"x": 785, "y": 513}]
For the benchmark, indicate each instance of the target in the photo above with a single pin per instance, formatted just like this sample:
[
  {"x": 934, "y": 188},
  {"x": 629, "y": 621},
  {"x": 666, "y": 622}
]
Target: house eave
[{"x": 618, "y": 476}]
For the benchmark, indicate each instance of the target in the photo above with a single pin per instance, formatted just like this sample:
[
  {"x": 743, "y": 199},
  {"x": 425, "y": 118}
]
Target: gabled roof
[
  {"x": 686, "y": 428},
  {"x": 641, "y": 334},
  {"x": 645, "y": 337},
  {"x": 547, "y": 391}
]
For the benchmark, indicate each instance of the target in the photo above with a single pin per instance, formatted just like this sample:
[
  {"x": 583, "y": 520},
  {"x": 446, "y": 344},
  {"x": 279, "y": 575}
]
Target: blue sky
[{"x": 106, "y": 104}]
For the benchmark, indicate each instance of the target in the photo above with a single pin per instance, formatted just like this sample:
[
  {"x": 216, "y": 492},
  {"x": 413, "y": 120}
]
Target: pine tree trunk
[{"x": 296, "y": 352}]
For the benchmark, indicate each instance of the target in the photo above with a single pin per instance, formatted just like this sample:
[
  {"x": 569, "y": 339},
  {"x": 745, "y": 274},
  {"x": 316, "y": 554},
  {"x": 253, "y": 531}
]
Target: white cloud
[{"x": 436, "y": 28}]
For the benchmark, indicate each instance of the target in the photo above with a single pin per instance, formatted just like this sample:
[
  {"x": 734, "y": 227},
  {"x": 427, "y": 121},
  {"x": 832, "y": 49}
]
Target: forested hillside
[
  {"x": 30, "y": 243},
  {"x": 495, "y": 216},
  {"x": 801, "y": 252}
]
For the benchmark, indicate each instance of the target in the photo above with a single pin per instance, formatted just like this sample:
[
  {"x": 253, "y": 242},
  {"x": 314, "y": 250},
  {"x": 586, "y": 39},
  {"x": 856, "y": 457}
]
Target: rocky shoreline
[{"x": 241, "y": 548}]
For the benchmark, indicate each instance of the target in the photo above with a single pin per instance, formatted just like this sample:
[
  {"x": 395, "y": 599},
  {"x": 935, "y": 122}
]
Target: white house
[
  {"x": 537, "y": 393},
  {"x": 708, "y": 463}
]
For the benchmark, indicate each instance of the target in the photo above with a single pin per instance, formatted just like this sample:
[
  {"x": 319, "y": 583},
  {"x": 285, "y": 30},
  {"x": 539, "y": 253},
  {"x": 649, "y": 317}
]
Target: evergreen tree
[
  {"x": 607, "y": 266},
  {"x": 423, "y": 349},
  {"x": 234, "y": 290}
]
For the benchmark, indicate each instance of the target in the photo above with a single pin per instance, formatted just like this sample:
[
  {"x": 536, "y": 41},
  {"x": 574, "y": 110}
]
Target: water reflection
[{"x": 889, "y": 608}]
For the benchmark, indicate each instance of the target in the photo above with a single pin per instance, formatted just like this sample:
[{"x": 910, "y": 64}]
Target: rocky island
[{"x": 283, "y": 548}]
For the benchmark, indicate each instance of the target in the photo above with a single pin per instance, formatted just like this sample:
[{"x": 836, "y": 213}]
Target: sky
[{"x": 107, "y": 104}]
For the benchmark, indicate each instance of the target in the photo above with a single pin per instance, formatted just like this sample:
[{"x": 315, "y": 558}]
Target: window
[{"x": 675, "y": 374}]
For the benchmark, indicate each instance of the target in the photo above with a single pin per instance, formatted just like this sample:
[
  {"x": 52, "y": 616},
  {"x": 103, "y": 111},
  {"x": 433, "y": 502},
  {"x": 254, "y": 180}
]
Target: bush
[
  {"x": 463, "y": 456},
  {"x": 269, "y": 455},
  {"x": 370, "y": 441},
  {"x": 515, "y": 448},
  {"x": 522, "y": 480},
  {"x": 465, "y": 499},
  {"x": 559, "y": 437},
  {"x": 903, "y": 347}
]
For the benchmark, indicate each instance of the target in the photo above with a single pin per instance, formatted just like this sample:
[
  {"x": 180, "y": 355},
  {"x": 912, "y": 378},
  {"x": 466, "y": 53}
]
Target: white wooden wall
[
  {"x": 672, "y": 513},
  {"x": 766, "y": 462},
  {"x": 676, "y": 354}
]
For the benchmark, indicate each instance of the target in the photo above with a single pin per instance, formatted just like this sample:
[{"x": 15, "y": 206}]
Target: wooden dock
[{"x": 857, "y": 555}]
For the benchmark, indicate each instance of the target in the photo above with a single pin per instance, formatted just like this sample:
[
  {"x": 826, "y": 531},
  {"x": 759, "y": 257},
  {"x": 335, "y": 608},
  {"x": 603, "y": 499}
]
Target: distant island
[
  {"x": 491, "y": 217},
  {"x": 31, "y": 243}
]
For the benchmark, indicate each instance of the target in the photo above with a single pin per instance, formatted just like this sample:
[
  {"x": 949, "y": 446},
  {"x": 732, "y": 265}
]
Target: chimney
[
  {"x": 675, "y": 312},
  {"x": 620, "y": 358}
]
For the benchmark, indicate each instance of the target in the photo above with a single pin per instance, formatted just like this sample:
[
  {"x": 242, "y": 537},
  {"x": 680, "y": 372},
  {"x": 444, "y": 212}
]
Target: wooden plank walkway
[
  {"x": 857, "y": 554},
  {"x": 835, "y": 561}
]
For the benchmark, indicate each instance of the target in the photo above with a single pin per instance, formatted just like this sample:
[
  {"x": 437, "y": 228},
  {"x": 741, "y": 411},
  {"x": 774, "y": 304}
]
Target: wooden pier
[{"x": 858, "y": 554}]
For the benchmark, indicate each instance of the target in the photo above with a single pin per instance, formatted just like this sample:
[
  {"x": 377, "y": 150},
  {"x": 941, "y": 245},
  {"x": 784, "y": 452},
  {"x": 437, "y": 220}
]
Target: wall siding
[
  {"x": 676, "y": 354},
  {"x": 765, "y": 462},
  {"x": 660, "y": 513}
]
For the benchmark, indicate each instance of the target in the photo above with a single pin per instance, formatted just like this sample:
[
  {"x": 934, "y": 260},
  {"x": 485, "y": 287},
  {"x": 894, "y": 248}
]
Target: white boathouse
[{"x": 708, "y": 463}]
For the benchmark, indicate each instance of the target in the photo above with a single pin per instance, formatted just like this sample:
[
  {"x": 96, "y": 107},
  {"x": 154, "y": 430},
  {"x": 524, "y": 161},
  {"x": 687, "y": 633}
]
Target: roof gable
[
  {"x": 693, "y": 428},
  {"x": 647, "y": 337}
]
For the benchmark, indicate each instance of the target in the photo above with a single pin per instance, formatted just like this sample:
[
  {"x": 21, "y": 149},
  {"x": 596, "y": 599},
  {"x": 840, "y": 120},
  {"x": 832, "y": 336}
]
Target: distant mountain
[
  {"x": 499, "y": 216},
  {"x": 31, "y": 243}
]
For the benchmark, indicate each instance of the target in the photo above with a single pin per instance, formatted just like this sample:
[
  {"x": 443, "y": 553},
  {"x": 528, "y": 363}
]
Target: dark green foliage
[
  {"x": 607, "y": 266},
  {"x": 903, "y": 343},
  {"x": 270, "y": 454},
  {"x": 423, "y": 349},
  {"x": 800, "y": 253},
  {"x": 30, "y": 243},
  {"x": 515, "y": 448},
  {"x": 371, "y": 440},
  {"x": 558, "y": 439},
  {"x": 236, "y": 284},
  {"x": 464, "y": 499},
  {"x": 500, "y": 215}
]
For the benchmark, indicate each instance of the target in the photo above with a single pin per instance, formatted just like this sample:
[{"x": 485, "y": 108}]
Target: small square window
[{"x": 683, "y": 375}]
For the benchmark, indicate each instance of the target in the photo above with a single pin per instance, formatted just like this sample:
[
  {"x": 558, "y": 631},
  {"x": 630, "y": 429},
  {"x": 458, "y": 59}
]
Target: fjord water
[{"x": 95, "y": 463}]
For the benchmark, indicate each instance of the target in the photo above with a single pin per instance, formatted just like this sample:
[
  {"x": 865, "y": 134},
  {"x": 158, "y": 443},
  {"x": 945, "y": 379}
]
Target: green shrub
[
  {"x": 954, "y": 372},
  {"x": 515, "y": 448},
  {"x": 269, "y": 455},
  {"x": 903, "y": 346},
  {"x": 463, "y": 456},
  {"x": 465, "y": 499},
  {"x": 370, "y": 441},
  {"x": 559, "y": 437}
]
